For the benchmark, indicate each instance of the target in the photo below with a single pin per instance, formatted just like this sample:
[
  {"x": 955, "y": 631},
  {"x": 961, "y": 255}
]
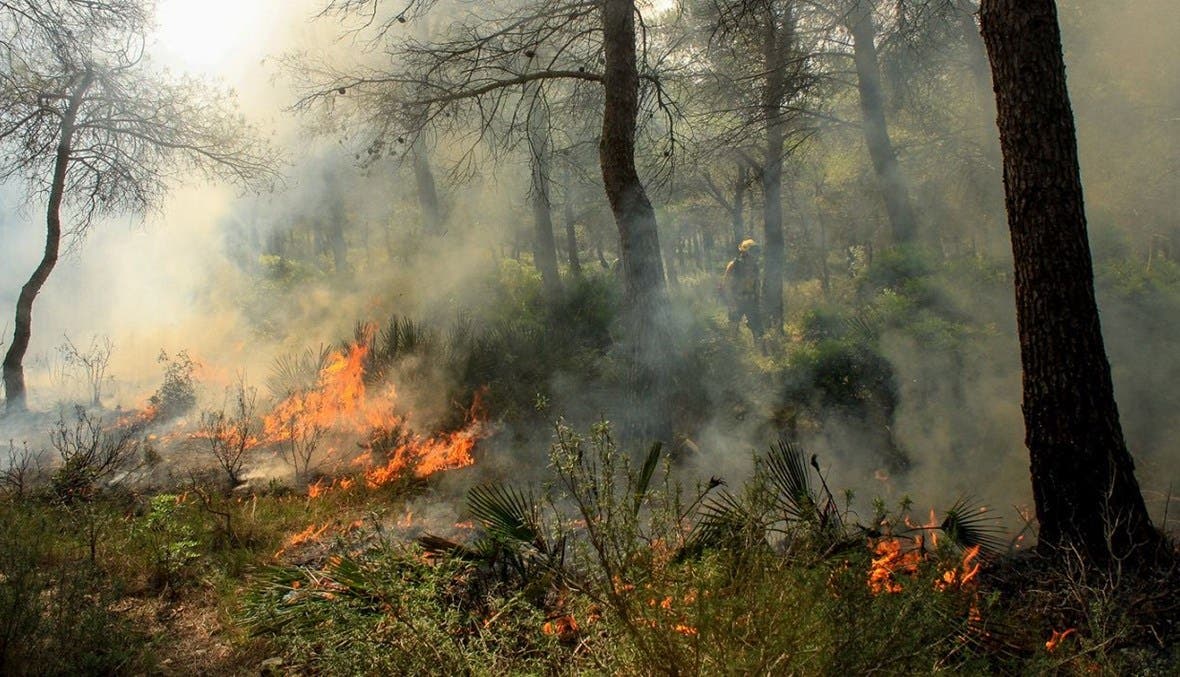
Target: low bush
[{"x": 57, "y": 614}]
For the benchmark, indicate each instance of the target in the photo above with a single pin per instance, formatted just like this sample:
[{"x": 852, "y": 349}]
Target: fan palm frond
[
  {"x": 723, "y": 520},
  {"x": 969, "y": 523},
  {"x": 437, "y": 545},
  {"x": 865, "y": 326},
  {"x": 508, "y": 514},
  {"x": 786, "y": 466},
  {"x": 297, "y": 372}
]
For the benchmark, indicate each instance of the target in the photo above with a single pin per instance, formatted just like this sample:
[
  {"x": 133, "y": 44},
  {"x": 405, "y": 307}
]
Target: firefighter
[{"x": 740, "y": 287}]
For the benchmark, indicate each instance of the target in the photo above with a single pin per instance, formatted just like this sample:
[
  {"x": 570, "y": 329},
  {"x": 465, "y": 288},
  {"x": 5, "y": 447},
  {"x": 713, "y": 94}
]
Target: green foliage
[
  {"x": 171, "y": 541},
  {"x": 177, "y": 394},
  {"x": 841, "y": 374},
  {"x": 898, "y": 268},
  {"x": 394, "y": 613},
  {"x": 57, "y": 617}
]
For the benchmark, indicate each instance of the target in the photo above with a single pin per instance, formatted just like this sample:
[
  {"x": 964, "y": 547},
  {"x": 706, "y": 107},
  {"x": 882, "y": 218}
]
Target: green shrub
[
  {"x": 57, "y": 617},
  {"x": 170, "y": 539},
  {"x": 177, "y": 394},
  {"x": 392, "y": 612}
]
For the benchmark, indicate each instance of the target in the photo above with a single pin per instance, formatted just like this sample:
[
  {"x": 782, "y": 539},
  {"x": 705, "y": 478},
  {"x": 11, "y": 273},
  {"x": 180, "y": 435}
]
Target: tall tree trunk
[
  {"x": 639, "y": 241},
  {"x": 427, "y": 191},
  {"x": 776, "y": 44},
  {"x": 894, "y": 190},
  {"x": 1082, "y": 474},
  {"x": 737, "y": 210},
  {"x": 16, "y": 399},
  {"x": 976, "y": 50},
  {"x": 571, "y": 234},
  {"x": 544, "y": 245}
]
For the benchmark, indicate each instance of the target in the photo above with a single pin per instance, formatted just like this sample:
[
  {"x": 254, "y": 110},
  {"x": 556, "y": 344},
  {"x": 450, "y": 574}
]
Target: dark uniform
[{"x": 740, "y": 286}]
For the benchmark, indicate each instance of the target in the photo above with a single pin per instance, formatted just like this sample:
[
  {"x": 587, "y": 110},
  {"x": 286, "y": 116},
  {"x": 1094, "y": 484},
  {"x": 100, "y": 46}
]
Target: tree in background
[
  {"x": 85, "y": 121},
  {"x": 862, "y": 26},
  {"x": 1083, "y": 477},
  {"x": 755, "y": 114}
]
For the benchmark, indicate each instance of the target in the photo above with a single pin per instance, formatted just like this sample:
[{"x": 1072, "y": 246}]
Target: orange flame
[
  {"x": 339, "y": 402},
  {"x": 962, "y": 576},
  {"x": 342, "y": 404},
  {"x": 1058, "y": 636},
  {"x": 891, "y": 559},
  {"x": 309, "y": 534}
]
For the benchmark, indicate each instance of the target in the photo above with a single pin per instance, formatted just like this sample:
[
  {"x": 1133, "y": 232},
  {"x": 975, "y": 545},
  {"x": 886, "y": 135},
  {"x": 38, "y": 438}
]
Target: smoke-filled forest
[{"x": 589, "y": 337}]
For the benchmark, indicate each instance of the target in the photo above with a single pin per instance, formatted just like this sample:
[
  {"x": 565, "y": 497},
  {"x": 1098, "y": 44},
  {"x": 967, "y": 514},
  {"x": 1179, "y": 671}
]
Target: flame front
[
  {"x": 892, "y": 559},
  {"x": 340, "y": 402},
  {"x": 343, "y": 404}
]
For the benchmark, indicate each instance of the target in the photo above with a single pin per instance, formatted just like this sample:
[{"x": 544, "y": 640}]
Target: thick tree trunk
[
  {"x": 427, "y": 191},
  {"x": 14, "y": 371},
  {"x": 648, "y": 340},
  {"x": 894, "y": 190},
  {"x": 639, "y": 242},
  {"x": 1082, "y": 474},
  {"x": 544, "y": 244}
]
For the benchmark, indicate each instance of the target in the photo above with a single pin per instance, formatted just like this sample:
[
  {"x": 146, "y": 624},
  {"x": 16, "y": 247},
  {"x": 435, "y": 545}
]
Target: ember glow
[{"x": 1058, "y": 637}]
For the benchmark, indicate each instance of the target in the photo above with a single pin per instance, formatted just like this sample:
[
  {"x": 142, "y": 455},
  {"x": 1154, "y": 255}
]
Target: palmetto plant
[
  {"x": 514, "y": 540},
  {"x": 297, "y": 372},
  {"x": 788, "y": 505}
]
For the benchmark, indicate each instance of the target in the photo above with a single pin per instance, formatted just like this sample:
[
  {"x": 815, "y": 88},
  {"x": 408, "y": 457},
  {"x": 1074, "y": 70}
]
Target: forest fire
[
  {"x": 892, "y": 559},
  {"x": 342, "y": 404},
  {"x": 962, "y": 576},
  {"x": 339, "y": 402}
]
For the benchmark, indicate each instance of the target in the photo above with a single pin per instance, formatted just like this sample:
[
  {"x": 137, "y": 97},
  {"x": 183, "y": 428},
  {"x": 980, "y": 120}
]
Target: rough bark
[
  {"x": 1083, "y": 478},
  {"x": 639, "y": 242},
  {"x": 14, "y": 371},
  {"x": 894, "y": 189}
]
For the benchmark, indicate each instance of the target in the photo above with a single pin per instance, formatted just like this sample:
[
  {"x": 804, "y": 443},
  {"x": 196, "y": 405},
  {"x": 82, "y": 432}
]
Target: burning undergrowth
[
  {"x": 339, "y": 425},
  {"x": 614, "y": 551}
]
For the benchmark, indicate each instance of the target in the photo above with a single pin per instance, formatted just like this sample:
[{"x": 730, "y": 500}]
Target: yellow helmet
[{"x": 747, "y": 245}]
